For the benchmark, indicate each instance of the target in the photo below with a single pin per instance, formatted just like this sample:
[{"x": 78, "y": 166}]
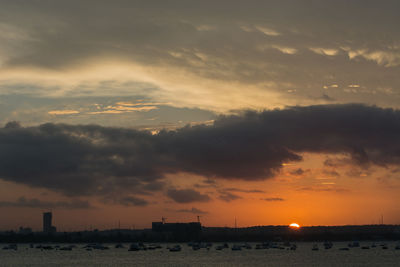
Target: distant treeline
[{"x": 214, "y": 234}]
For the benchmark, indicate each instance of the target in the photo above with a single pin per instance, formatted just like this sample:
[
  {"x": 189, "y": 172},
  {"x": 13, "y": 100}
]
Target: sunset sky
[{"x": 272, "y": 112}]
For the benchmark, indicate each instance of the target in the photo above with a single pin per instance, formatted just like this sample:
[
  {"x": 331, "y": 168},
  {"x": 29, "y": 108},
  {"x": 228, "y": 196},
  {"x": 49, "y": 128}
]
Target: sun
[{"x": 294, "y": 226}]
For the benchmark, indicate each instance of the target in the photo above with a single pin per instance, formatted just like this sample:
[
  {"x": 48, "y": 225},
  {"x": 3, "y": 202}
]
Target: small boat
[
  {"x": 153, "y": 247},
  {"x": 259, "y": 246},
  {"x": 96, "y": 246},
  {"x": 134, "y": 247},
  {"x": 315, "y": 247},
  {"x": 328, "y": 245},
  {"x": 247, "y": 246},
  {"x": 119, "y": 245},
  {"x": 11, "y": 246},
  {"x": 236, "y": 247},
  {"x": 344, "y": 249},
  {"x": 68, "y": 248},
  {"x": 365, "y": 247},
  {"x": 175, "y": 248},
  {"x": 354, "y": 244}
]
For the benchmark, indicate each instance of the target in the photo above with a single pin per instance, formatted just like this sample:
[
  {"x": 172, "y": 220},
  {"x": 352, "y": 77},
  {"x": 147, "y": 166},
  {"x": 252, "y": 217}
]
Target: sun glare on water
[{"x": 294, "y": 225}]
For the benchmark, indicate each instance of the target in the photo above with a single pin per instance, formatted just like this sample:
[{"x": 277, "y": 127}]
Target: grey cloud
[
  {"x": 273, "y": 199},
  {"x": 332, "y": 173},
  {"x": 228, "y": 197},
  {"x": 298, "y": 172},
  {"x": 95, "y": 160},
  {"x": 327, "y": 98},
  {"x": 187, "y": 196},
  {"x": 192, "y": 210},
  {"x": 23, "y": 202},
  {"x": 152, "y": 33},
  {"x": 232, "y": 189},
  {"x": 323, "y": 189},
  {"x": 132, "y": 201}
]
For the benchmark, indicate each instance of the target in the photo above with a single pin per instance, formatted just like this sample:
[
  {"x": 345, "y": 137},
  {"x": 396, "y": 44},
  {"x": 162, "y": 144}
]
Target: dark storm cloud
[
  {"x": 187, "y": 196},
  {"x": 95, "y": 160},
  {"x": 23, "y": 202}
]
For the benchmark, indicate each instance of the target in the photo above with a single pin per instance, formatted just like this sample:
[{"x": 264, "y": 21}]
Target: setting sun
[{"x": 294, "y": 225}]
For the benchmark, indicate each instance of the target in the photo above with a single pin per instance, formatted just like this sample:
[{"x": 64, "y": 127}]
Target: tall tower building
[{"x": 47, "y": 227}]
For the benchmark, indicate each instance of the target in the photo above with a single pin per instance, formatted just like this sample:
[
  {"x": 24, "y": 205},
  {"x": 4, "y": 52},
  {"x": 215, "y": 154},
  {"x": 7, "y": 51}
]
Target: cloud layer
[
  {"x": 96, "y": 160},
  {"x": 23, "y": 202},
  {"x": 203, "y": 54}
]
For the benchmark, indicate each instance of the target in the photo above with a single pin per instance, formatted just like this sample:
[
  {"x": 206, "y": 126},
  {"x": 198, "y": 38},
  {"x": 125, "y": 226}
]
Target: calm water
[{"x": 303, "y": 256}]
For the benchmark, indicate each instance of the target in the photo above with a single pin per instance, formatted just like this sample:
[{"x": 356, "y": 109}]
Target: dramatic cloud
[
  {"x": 200, "y": 54},
  {"x": 23, "y": 202},
  {"x": 95, "y": 160},
  {"x": 187, "y": 196}
]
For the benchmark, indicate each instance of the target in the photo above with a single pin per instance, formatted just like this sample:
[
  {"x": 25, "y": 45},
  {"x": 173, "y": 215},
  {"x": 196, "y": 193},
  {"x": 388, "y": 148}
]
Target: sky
[{"x": 271, "y": 112}]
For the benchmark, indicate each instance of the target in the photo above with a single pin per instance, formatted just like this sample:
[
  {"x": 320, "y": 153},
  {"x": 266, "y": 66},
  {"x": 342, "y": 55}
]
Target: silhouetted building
[
  {"x": 24, "y": 231},
  {"x": 47, "y": 226},
  {"x": 180, "y": 231}
]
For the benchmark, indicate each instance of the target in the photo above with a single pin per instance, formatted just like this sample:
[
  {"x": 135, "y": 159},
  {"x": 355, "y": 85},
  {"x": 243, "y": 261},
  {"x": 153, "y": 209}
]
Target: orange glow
[{"x": 294, "y": 225}]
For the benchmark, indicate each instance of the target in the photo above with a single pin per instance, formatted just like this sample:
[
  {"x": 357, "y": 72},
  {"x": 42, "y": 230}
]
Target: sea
[{"x": 384, "y": 254}]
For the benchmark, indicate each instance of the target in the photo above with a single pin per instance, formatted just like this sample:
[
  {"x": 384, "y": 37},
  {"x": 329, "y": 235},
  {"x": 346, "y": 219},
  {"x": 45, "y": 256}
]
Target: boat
[
  {"x": 134, "y": 247},
  {"x": 119, "y": 245},
  {"x": 354, "y": 244},
  {"x": 68, "y": 248},
  {"x": 11, "y": 246},
  {"x": 175, "y": 248},
  {"x": 236, "y": 247},
  {"x": 315, "y": 247},
  {"x": 328, "y": 245}
]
